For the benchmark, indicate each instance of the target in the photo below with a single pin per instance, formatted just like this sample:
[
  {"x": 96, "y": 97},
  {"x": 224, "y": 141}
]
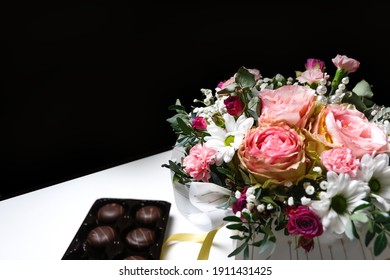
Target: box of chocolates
[{"x": 121, "y": 229}]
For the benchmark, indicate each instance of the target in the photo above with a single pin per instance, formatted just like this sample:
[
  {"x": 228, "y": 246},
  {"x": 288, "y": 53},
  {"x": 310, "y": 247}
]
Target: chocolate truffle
[
  {"x": 140, "y": 238},
  {"x": 100, "y": 236},
  {"x": 110, "y": 212},
  {"x": 148, "y": 215},
  {"x": 135, "y": 257}
]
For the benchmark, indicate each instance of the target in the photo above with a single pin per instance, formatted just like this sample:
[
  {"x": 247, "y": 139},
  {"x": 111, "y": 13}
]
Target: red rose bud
[
  {"x": 233, "y": 105},
  {"x": 199, "y": 123},
  {"x": 306, "y": 244}
]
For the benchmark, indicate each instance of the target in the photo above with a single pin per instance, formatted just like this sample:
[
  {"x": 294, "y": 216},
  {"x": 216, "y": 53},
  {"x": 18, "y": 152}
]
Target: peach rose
[
  {"x": 273, "y": 152},
  {"x": 292, "y": 104},
  {"x": 339, "y": 126}
]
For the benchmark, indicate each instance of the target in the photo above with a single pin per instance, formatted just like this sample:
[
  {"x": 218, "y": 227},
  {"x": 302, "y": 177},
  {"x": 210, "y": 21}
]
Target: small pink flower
[
  {"x": 304, "y": 222},
  {"x": 199, "y": 123},
  {"x": 340, "y": 160},
  {"x": 345, "y": 63},
  {"x": 311, "y": 76},
  {"x": 197, "y": 163},
  {"x": 233, "y": 105},
  {"x": 313, "y": 63},
  {"x": 292, "y": 104}
]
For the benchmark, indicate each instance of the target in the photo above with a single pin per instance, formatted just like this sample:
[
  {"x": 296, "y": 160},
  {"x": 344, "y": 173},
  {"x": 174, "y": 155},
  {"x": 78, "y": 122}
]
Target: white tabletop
[{"x": 41, "y": 224}]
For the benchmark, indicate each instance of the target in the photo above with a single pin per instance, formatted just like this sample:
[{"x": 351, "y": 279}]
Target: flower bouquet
[{"x": 304, "y": 156}]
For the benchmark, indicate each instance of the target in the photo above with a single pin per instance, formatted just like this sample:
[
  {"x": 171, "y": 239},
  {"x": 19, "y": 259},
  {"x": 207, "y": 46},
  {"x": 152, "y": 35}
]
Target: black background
[{"x": 86, "y": 86}]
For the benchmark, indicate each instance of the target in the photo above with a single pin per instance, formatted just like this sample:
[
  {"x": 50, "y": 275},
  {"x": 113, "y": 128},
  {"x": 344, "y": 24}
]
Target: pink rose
[
  {"x": 345, "y": 63},
  {"x": 292, "y": 104},
  {"x": 313, "y": 63},
  {"x": 340, "y": 160},
  {"x": 197, "y": 163},
  {"x": 199, "y": 123},
  {"x": 349, "y": 128},
  {"x": 273, "y": 152},
  {"x": 304, "y": 222},
  {"x": 311, "y": 76},
  {"x": 233, "y": 105}
]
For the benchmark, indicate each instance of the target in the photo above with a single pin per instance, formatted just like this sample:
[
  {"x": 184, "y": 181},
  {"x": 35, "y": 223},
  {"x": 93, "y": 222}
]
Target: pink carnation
[
  {"x": 197, "y": 163},
  {"x": 311, "y": 76},
  {"x": 345, "y": 63},
  {"x": 340, "y": 160}
]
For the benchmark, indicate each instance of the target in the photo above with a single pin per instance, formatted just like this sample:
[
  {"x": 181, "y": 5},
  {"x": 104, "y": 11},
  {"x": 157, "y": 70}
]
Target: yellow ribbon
[{"x": 205, "y": 238}]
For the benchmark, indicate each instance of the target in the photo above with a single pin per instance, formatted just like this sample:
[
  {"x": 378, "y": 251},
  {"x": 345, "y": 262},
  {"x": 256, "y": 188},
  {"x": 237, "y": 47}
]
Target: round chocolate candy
[
  {"x": 148, "y": 215},
  {"x": 135, "y": 257},
  {"x": 110, "y": 212},
  {"x": 100, "y": 236},
  {"x": 140, "y": 238}
]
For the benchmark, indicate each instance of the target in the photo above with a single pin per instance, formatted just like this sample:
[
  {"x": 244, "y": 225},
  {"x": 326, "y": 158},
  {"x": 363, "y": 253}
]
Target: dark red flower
[
  {"x": 240, "y": 203},
  {"x": 304, "y": 222},
  {"x": 233, "y": 105}
]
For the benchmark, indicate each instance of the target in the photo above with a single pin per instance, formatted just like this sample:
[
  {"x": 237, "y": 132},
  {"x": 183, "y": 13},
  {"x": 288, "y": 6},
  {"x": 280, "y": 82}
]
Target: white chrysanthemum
[
  {"x": 376, "y": 172},
  {"x": 227, "y": 140},
  {"x": 342, "y": 196}
]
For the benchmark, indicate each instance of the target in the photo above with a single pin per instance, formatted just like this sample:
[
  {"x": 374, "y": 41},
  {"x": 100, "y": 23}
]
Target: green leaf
[
  {"x": 237, "y": 237},
  {"x": 380, "y": 243},
  {"x": 184, "y": 126},
  {"x": 360, "y": 217},
  {"x": 356, "y": 100},
  {"x": 244, "y": 78},
  {"x": 363, "y": 88},
  {"x": 246, "y": 253},
  {"x": 369, "y": 237},
  {"x": 232, "y": 219},
  {"x": 238, "y": 227},
  {"x": 239, "y": 249},
  {"x": 246, "y": 215}
]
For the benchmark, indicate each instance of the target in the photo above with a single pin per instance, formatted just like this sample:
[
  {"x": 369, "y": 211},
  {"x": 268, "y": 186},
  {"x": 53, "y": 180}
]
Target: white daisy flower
[
  {"x": 376, "y": 172},
  {"x": 227, "y": 140},
  {"x": 343, "y": 195}
]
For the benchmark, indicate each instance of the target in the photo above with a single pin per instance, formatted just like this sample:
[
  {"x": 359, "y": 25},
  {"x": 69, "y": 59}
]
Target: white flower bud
[
  {"x": 250, "y": 206},
  {"x": 260, "y": 208},
  {"x": 290, "y": 201},
  {"x": 251, "y": 198},
  {"x": 324, "y": 185},
  {"x": 309, "y": 190},
  {"x": 270, "y": 206},
  {"x": 305, "y": 200}
]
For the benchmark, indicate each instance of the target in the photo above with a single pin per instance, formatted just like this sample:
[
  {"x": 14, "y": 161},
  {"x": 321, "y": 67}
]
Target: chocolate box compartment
[{"x": 118, "y": 229}]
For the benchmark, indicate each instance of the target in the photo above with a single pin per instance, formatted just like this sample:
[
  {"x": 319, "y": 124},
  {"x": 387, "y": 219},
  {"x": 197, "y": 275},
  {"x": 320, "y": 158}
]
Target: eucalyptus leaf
[
  {"x": 363, "y": 88},
  {"x": 244, "y": 78}
]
